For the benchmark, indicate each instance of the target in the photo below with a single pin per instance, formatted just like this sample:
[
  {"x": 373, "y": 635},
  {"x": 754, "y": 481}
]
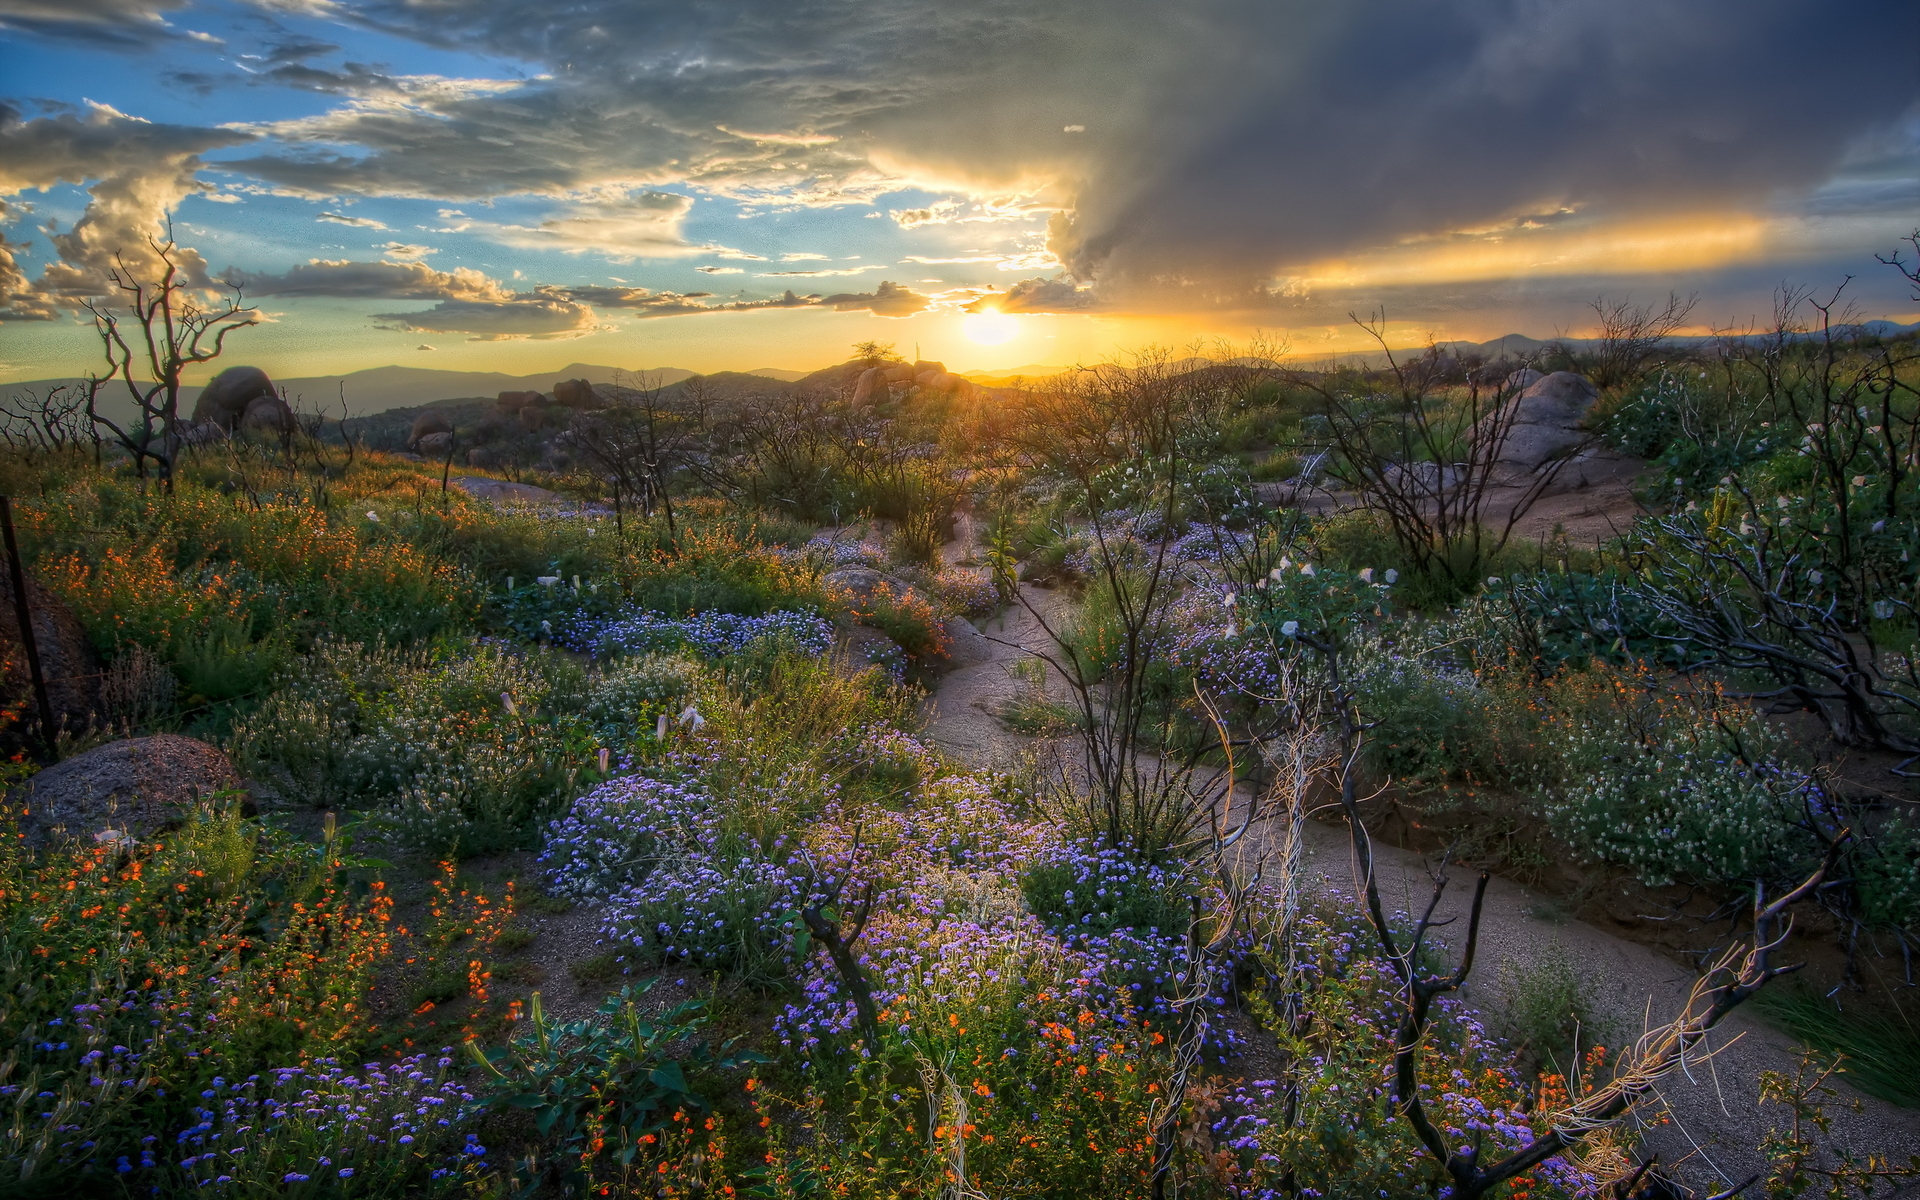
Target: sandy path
[{"x": 1713, "y": 1122}]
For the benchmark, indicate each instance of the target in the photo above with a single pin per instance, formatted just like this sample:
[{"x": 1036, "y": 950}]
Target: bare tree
[
  {"x": 638, "y": 444},
  {"x": 50, "y": 421},
  {"x": 1733, "y": 979},
  {"x": 1791, "y": 585},
  {"x": 1630, "y": 335},
  {"x": 1435, "y": 471},
  {"x": 1118, "y": 438},
  {"x": 174, "y": 326}
]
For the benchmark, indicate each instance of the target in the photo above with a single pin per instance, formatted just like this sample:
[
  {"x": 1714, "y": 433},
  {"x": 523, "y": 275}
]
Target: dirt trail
[{"x": 1713, "y": 1123}]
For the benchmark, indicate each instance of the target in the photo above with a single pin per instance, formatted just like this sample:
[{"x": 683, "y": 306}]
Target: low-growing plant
[{"x": 603, "y": 1091}]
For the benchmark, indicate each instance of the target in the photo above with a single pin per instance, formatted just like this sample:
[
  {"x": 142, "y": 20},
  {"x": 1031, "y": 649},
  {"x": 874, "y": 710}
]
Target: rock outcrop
[
  {"x": 225, "y": 398},
  {"x": 129, "y": 789},
  {"x": 1543, "y": 422},
  {"x": 426, "y": 425},
  {"x": 577, "y": 394},
  {"x": 500, "y": 490},
  {"x": 435, "y": 445},
  {"x": 268, "y": 414}
]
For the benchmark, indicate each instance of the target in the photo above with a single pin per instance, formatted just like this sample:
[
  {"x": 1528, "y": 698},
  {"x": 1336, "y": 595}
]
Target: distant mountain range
[{"x": 382, "y": 388}]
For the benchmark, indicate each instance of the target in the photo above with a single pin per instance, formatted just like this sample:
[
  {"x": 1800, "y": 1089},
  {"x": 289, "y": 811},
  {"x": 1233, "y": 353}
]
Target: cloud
[
  {"x": 138, "y": 171},
  {"x": 542, "y": 315},
  {"x": 1243, "y": 139},
  {"x": 722, "y": 270},
  {"x": 840, "y": 271},
  {"x": 643, "y": 303},
  {"x": 642, "y": 224},
  {"x": 887, "y": 300},
  {"x": 358, "y": 222},
  {"x": 116, "y": 24},
  {"x": 383, "y": 280},
  {"x": 1037, "y": 296},
  {"x": 404, "y": 250},
  {"x": 351, "y": 79}
]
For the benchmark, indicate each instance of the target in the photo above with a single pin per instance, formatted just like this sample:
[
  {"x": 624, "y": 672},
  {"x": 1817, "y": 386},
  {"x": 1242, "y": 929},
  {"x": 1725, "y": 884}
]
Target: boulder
[
  {"x": 923, "y": 366},
  {"x": 513, "y": 402},
  {"x": 435, "y": 445},
  {"x": 1521, "y": 380},
  {"x": 484, "y": 457},
  {"x": 427, "y": 423},
  {"x": 1543, "y": 422},
  {"x": 268, "y": 414},
  {"x": 532, "y": 417},
  {"x": 225, "y": 398},
  {"x": 966, "y": 646},
  {"x": 491, "y": 425},
  {"x": 898, "y": 373},
  {"x": 68, "y": 661},
  {"x": 500, "y": 491},
  {"x": 126, "y": 789},
  {"x": 577, "y": 394},
  {"x": 870, "y": 379}
]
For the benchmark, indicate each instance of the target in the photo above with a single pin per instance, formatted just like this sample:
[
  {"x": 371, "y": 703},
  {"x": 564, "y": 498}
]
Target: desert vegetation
[{"x": 569, "y": 805}]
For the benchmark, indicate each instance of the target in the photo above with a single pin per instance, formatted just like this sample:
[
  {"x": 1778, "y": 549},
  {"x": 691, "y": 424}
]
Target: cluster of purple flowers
[
  {"x": 389, "y": 1124},
  {"x": 966, "y": 590},
  {"x": 711, "y": 635},
  {"x": 843, "y": 552},
  {"x": 1208, "y": 544},
  {"x": 613, "y": 835}
]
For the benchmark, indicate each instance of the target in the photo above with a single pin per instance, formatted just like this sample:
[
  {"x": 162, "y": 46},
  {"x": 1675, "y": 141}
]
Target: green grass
[{"x": 1881, "y": 1055}]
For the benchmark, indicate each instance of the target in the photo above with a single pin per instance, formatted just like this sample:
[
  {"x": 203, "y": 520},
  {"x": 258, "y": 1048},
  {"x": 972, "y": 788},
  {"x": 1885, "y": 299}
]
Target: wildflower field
[{"x": 816, "y": 954}]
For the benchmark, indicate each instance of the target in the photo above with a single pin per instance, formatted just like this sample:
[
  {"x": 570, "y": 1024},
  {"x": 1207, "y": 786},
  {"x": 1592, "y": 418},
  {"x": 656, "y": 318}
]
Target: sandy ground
[{"x": 1711, "y": 1119}]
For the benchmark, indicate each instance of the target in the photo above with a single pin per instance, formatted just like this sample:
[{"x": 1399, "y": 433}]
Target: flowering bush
[
  {"x": 1697, "y": 798},
  {"x": 138, "y": 975},
  {"x": 904, "y": 615},
  {"x": 632, "y": 692},
  {"x": 467, "y": 749},
  {"x": 711, "y": 635},
  {"x": 608, "y": 1090},
  {"x": 395, "y": 1127},
  {"x": 966, "y": 591},
  {"x": 1333, "y": 1131}
]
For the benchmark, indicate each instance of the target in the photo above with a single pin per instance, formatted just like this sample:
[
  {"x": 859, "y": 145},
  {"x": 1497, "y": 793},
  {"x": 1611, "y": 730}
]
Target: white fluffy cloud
[{"x": 139, "y": 171}]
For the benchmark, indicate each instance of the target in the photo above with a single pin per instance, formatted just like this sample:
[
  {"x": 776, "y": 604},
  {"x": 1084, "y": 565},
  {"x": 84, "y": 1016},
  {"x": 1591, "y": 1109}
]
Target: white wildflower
[
  {"x": 1366, "y": 574},
  {"x": 1392, "y": 576},
  {"x": 1290, "y": 628}
]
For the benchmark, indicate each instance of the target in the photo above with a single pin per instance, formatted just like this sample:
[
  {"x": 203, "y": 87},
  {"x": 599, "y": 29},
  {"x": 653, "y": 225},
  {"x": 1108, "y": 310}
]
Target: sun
[{"x": 991, "y": 327}]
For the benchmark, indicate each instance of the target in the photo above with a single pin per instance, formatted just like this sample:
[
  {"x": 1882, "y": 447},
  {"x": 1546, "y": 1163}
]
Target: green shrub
[
  {"x": 463, "y": 749},
  {"x": 603, "y": 1091},
  {"x": 631, "y": 693},
  {"x": 1695, "y": 797}
]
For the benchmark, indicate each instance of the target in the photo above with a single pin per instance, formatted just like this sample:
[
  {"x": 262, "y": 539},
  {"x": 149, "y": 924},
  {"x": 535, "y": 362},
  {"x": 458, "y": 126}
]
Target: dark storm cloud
[
  {"x": 1221, "y": 140},
  {"x": 542, "y": 315},
  {"x": 115, "y": 24},
  {"x": 1037, "y": 296},
  {"x": 887, "y": 300},
  {"x": 351, "y": 79},
  {"x": 643, "y": 303}
]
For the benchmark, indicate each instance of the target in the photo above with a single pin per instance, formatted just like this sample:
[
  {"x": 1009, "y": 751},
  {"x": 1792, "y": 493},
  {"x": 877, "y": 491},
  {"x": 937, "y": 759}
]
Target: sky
[{"x": 733, "y": 184}]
